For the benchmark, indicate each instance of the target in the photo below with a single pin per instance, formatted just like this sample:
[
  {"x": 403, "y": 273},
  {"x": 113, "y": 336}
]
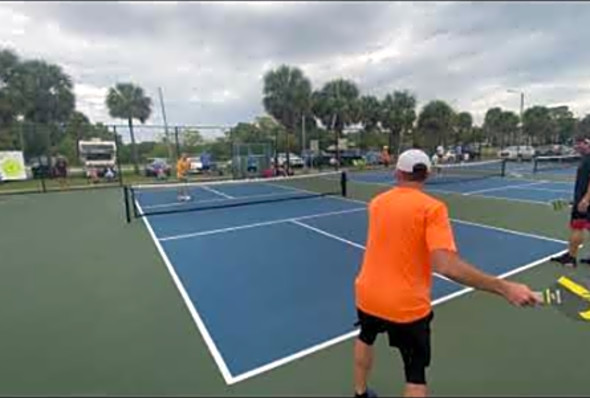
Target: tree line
[{"x": 38, "y": 116}]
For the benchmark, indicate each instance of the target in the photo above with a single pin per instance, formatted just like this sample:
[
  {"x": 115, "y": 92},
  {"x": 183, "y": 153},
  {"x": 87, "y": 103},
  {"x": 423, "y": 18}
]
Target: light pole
[
  {"x": 20, "y": 119},
  {"x": 521, "y": 112},
  {"x": 165, "y": 123}
]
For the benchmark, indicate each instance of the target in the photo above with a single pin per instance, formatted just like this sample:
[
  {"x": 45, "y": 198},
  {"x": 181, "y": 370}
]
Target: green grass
[
  {"x": 77, "y": 183},
  {"x": 88, "y": 307}
]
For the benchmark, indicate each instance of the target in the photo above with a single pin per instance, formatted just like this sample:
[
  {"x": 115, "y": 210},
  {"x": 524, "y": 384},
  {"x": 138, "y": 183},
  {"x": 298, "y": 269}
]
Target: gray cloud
[{"x": 209, "y": 57}]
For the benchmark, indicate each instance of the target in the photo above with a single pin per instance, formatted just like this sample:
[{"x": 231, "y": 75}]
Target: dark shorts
[
  {"x": 412, "y": 339},
  {"x": 579, "y": 220}
]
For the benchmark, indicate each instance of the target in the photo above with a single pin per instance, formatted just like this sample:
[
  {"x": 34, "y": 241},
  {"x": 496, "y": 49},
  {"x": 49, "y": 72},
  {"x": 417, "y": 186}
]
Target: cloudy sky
[{"x": 209, "y": 58}]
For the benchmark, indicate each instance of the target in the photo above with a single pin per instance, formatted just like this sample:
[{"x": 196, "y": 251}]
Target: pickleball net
[
  {"x": 547, "y": 163},
  {"x": 151, "y": 199},
  {"x": 458, "y": 172}
]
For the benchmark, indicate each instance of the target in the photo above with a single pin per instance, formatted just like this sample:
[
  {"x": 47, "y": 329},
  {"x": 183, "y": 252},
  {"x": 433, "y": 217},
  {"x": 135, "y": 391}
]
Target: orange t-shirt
[
  {"x": 405, "y": 225},
  {"x": 182, "y": 166}
]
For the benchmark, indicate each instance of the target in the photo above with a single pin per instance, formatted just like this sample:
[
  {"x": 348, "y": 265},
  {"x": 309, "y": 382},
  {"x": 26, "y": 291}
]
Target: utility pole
[
  {"x": 303, "y": 146},
  {"x": 521, "y": 115},
  {"x": 165, "y": 123},
  {"x": 521, "y": 130}
]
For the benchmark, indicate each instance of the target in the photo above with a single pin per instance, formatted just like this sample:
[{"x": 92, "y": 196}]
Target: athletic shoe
[
  {"x": 566, "y": 260},
  {"x": 367, "y": 394}
]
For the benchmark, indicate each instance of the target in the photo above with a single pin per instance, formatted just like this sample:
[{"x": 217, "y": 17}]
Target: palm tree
[
  {"x": 399, "y": 114},
  {"x": 287, "y": 97},
  {"x": 127, "y": 101},
  {"x": 338, "y": 106},
  {"x": 370, "y": 116},
  {"x": 463, "y": 127},
  {"x": 435, "y": 122}
]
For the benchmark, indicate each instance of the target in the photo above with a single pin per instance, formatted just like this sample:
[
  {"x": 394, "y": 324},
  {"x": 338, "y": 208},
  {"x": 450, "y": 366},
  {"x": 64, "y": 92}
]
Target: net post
[
  {"x": 135, "y": 212},
  {"x": 343, "y": 183},
  {"x": 44, "y": 174},
  {"x": 126, "y": 198},
  {"x": 503, "y": 172},
  {"x": 535, "y": 164},
  {"x": 117, "y": 157}
]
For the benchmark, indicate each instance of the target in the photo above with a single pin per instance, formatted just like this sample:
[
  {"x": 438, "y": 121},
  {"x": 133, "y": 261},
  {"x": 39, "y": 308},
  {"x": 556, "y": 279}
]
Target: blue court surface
[
  {"x": 270, "y": 283},
  {"x": 557, "y": 169},
  {"x": 516, "y": 189}
]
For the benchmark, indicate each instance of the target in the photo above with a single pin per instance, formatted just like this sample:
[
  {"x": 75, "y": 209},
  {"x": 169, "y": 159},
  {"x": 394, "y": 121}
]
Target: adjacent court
[
  {"x": 268, "y": 276},
  {"x": 509, "y": 188}
]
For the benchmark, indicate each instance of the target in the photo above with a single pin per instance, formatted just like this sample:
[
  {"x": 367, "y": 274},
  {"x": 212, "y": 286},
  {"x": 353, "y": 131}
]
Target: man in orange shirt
[
  {"x": 182, "y": 167},
  {"x": 408, "y": 231}
]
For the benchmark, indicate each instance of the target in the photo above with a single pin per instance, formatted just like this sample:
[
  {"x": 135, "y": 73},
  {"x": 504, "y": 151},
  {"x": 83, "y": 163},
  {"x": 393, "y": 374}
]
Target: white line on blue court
[
  {"x": 174, "y": 204},
  {"x": 344, "y": 337},
  {"x": 509, "y": 231},
  {"x": 346, "y": 241},
  {"x": 444, "y": 191},
  {"x": 217, "y": 357},
  {"x": 509, "y": 199},
  {"x": 503, "y": 187},
  {"x": 568, "y": 191},
  {"x": 216, "y": 192},
  {"x": 227, "y": 376},
  {"x": 259, "y": 224}
]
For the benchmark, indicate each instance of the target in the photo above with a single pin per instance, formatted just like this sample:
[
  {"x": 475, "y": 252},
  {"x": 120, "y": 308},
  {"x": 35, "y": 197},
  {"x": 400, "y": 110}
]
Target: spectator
[
  {"x": 385, "y": 158},
  {"x": 252, "y": 166},
  {"x": 61, "y": 171},
  {"x": 109, "y": 174},
  {"x": 93, "y": 175},
  {"x": 205, "y": 162}
]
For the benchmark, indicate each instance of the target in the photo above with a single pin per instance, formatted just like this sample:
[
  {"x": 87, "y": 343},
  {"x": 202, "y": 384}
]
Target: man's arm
[
  {"x": 450, "y": 264},
  {"x": 584, "y": 201}
]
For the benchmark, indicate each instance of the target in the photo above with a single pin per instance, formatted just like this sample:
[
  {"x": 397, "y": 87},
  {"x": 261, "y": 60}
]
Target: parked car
[
  {"x": 155, "y": 164},
  {"x": 294, "y": 160},
  {"x": 196, "y": 165},
  {"x": 517, "y": 152},
  {"x": 42, "y": 166},
  {"x": 548, "y": 150}
]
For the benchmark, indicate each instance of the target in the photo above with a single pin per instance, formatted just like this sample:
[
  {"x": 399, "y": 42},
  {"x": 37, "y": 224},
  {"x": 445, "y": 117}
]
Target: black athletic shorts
[
  {"x": 579, "y": 220},
  {"x": 412, "y": 339}
]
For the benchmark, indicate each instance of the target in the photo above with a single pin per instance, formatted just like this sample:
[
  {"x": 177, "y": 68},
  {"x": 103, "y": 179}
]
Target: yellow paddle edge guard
[{"x": 578, "y": 290}]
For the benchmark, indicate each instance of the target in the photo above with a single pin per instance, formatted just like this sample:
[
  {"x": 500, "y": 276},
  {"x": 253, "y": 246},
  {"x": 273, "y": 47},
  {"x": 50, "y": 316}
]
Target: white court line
[
  {"x": 348, "y": 242},
  {"x": 210, "y": 200},
  {"x": 326, "y": 344},
  {"x": 229, "y": 379},
  {"x": 528, "y": 201},
  {"x": 509, "y": 231},
  {"x": 502, "y": 276},
  {"x": 230, "y": 229},
  {"x": 428, "y": 189},
  {"x": 552, "y": 190},
  {"x": 479, "y": 191},
  {"x": 259, "y": 224},
  {"x": 215, "y": 191},
  {"x": 190, "y": 306}
]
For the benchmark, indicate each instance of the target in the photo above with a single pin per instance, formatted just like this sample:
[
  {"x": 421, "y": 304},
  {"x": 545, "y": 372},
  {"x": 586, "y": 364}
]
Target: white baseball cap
[{"x": 412, "y": 157}]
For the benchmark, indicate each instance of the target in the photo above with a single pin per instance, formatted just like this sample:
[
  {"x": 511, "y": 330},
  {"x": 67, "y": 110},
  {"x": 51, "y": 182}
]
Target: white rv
[{"x": 97, "y": 154}]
